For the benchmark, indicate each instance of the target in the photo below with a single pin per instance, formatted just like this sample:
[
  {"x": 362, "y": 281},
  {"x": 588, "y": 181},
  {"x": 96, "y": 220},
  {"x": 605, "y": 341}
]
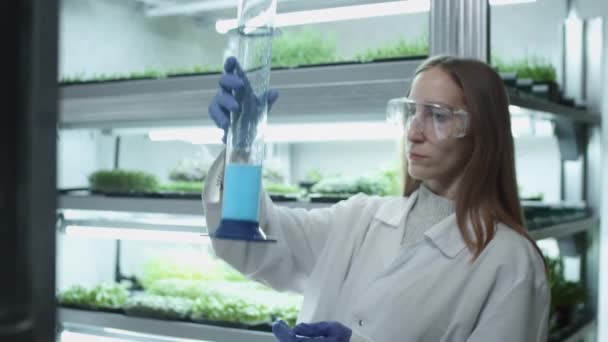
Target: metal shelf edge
[
  {"x": 581, "y": 333},
  {"x": 344, "y": 90},
  {"x": 195, "y": 207},
  {"x": 532, "y": 103},
  {"x": 173, "y": 329},
  {"x": 126, "y": 204},
  {"x": 152, "y": 205},
  {"x": 564, "y": 229}
]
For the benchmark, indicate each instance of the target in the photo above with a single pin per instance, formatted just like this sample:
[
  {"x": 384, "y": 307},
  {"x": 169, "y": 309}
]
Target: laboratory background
[{"x": 114, "y": 224}]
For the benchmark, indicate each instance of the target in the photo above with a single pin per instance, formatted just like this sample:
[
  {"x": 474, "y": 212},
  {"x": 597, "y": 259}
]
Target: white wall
[
  {"x": 83, "y": 261},
  {"x": 537, "y": 162},
  {"x": 80, "y": 153},
  {"x": 591, "y": 8},
  {"x": 113, "y": 36},
  {"x": 158, "y": 158},
  {"x": 532, "y": 29},
  {"x": 349, "y": 159},
  {"x": 353, "y": 37}
]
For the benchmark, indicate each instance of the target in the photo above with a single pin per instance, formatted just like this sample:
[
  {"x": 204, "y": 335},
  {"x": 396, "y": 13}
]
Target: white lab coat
[{"x": 348, "y": 262}]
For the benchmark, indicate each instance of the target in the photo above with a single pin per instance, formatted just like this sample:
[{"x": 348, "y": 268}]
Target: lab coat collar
[
  {"x": 394, "y": 211},
  {"x": 444, "y": 235}
]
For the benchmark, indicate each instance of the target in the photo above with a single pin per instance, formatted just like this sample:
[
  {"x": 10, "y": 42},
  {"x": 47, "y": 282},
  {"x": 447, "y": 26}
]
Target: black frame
[{"x": 28, "y": 170}]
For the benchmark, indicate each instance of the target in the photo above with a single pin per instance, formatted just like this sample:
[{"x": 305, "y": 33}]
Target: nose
[{"x": 415, "y": 132}]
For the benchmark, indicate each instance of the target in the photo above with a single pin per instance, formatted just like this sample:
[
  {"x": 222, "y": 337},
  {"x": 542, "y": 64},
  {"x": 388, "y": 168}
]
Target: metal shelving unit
[
  {"x": 153, "y": 329},
  {"x": 355, "y": 92},
  {"x": 194, "y": 207},
  {"x": 342, "y": 92},
  {"x": 100, "y": 322},
  {"x": 352, "y": 92}
]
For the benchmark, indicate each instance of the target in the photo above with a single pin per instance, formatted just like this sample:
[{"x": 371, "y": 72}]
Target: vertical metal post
[{"x": 460, "y": 28}]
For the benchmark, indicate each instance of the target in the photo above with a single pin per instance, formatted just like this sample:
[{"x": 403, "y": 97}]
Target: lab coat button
[{"x": 360, "y": 322}]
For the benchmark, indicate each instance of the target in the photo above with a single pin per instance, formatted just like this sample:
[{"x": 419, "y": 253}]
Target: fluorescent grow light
[
  {"x": 521, "y": 122},
  {"x": 530, "y": 123},
  {"x": 286, "y": 133},
  {"x": 113, "y": 233},
  {"x": 338, "y": 14},
  {"x": 339, "y": 131},
  {"x": 509, "y": 2},
  {"x": 325, "y": 15},
  {"x": 199, "y": 135}
]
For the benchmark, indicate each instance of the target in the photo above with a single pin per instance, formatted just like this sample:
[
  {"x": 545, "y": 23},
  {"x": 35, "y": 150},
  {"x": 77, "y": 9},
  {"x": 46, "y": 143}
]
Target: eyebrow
[{"x": 437, "y": 103}]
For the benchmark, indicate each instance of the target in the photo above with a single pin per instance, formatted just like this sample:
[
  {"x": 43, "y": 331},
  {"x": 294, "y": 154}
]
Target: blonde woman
[{"x": 450, "y": 260}]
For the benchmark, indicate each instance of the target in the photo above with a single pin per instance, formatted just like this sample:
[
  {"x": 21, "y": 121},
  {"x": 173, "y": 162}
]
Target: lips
[{"x": 415, "y": 156}]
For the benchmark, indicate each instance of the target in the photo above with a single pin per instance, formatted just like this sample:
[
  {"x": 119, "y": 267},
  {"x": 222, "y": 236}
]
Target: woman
[{"x": 450, "y": 260}]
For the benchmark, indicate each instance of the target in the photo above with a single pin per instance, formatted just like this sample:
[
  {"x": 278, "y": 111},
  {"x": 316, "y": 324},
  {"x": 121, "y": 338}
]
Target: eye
[
  {"x": 441, "y": 116},
  {"x": 425, "y": 112}
]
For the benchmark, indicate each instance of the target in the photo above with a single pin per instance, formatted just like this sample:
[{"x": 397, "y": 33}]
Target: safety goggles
[{"x": 431, "y": 119}]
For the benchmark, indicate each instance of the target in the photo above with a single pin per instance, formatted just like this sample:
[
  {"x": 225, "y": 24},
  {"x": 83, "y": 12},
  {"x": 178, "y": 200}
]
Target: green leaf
[
  {"x": 221, "y": 308},
  {"x": 306, "y": 47},
  {"x": 122, "y": 181},
  {"x": 282, "y": 189},
  {"x": 189, "y": 170},
  {"x": 190, "y": 187},
  {"x": 536, "y": 68},
  {"x": 105, "y": 295},
  {"x": 160, "y": 306},
  {"x": 417, "y": 47}
]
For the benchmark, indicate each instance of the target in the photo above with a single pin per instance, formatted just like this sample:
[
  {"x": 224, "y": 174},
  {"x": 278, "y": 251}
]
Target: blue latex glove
[
  {"x": 314, "y": 332},
  {"x": 236, "y": 95}
]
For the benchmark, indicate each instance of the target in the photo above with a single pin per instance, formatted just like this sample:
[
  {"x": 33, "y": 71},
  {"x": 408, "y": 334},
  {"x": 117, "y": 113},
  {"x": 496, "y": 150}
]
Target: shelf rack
[
  {"x": 194, "y": 207},
  {"x": 99, "y": 322}
]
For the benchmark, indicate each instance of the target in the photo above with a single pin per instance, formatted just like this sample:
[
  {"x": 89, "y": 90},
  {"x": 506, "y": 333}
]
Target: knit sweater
[{"x": 428, "y": 210}]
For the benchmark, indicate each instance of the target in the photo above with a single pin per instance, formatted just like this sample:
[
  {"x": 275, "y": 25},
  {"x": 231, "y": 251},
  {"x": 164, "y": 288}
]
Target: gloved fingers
[
  {"x": 232, "y": 66},
  {"x": 319, "y": 329},
  {"x": 230, "y": 82},
  {"x": 229, "y": 64},
  {"x": 227, "y": 102},
  {"x": 241, "y": 74},
  {"x": 271, "y": 96},
  {"x": 219, "y": 115},
  {"x": 283, "y": 333}
]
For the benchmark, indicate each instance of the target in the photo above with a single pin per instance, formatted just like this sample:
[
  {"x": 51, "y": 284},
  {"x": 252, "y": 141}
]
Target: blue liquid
[{"x": 242, "y": 183}]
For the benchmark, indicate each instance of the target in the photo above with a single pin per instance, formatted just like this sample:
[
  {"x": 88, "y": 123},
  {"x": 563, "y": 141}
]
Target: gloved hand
[
  {"x": 325, "y": 331},
  {"x": 236, "y": 95}
]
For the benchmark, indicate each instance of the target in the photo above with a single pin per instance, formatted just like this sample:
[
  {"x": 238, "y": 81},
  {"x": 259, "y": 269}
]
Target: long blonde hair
[{"x": 488, "y": 190}]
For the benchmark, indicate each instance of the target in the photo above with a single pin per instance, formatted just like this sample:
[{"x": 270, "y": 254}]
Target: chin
[{"x": 418, "y": 172}]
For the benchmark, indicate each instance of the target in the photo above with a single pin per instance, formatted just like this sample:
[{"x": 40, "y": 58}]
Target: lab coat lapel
[{"x": 392, "y": 216}]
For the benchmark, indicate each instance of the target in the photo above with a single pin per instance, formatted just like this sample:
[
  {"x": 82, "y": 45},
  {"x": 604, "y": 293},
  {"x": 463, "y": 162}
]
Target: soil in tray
[
  {"x": 90, "y": 308},
  {"x": 155, "y": 315},
  {"x": 258, "y": 327},
  {"x": 283, "y": 198},
  {"x": 174, "y": 195},
  {"x": 327, "y": 198}
]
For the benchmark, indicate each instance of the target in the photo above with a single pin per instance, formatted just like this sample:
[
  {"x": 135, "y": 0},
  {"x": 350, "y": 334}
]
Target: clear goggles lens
[{"x": 431, "y": 119}]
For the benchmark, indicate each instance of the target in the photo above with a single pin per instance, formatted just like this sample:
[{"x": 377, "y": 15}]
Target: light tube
[
  {"x": 338, "y": 14},
  {"x": 111, "y": 233}
]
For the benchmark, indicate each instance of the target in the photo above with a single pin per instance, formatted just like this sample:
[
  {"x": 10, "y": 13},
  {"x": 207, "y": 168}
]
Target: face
[{"x": 430, "y": 159}]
